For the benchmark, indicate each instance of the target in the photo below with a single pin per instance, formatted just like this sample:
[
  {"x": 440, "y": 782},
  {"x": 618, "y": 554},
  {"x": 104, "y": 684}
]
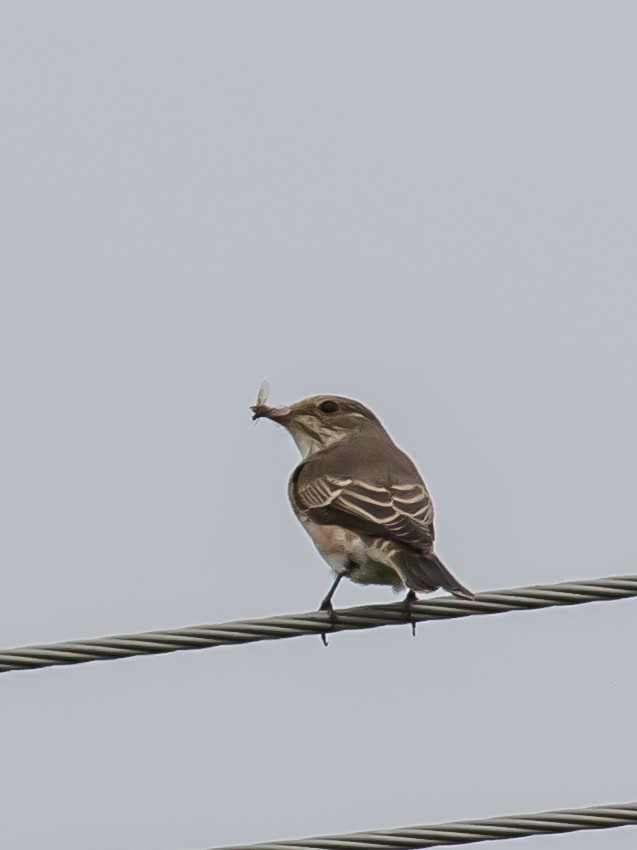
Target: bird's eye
[{"x": 328, "y": 406}]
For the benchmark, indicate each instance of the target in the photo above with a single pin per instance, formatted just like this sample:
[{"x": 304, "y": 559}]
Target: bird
[{"x": 360, "y": 498}]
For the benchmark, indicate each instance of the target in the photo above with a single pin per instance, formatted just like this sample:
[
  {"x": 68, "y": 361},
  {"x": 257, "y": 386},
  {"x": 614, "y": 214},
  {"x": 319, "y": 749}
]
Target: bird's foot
[
  {"x": 408, "y": 602},
  {"x": 326, "y": 605}
]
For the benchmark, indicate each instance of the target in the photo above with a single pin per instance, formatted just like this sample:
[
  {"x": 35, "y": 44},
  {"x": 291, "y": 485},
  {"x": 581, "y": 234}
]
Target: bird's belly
[{"x": 350, "y": 554}]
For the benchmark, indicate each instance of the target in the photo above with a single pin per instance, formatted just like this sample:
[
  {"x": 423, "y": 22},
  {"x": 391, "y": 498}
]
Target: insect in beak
[{"x": 260, "y": 408}]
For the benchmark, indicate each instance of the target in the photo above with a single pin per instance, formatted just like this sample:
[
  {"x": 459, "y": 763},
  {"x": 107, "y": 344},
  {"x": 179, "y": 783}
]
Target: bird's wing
[{"x": 401, "y": 512}]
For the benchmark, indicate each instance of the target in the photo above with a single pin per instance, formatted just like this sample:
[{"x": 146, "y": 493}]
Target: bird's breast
[
  {"x": 339, "y": 546},
  {"x": 347, "y": 552}
]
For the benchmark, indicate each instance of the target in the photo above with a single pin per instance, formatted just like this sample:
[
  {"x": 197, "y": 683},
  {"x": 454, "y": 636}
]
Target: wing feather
[{"x": 401, "y": 512}]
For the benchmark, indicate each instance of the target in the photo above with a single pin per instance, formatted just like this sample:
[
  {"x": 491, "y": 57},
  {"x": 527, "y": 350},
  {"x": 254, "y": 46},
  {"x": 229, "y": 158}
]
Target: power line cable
[
  {"x": 464, "y": 831},
  {"x": 316, "y": 623}
]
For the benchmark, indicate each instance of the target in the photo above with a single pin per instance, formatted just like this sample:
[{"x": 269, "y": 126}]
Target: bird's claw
[
  {"x": 326, "y": 606},
  {"x": 409, "y": 600}
]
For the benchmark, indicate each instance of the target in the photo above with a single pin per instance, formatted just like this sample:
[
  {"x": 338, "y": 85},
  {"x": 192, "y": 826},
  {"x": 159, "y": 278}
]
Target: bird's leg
[
  {"x": 409, "y": 600},
  {"x": 326, "y": 605}
]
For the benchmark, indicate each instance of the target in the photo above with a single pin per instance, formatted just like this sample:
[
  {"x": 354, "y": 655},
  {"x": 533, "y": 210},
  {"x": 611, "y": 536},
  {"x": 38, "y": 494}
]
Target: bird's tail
[{"x": 427, "y": 573}]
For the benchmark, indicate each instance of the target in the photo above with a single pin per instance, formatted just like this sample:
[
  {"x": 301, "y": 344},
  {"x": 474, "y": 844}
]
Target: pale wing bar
[{"x": 403, "y": 510}]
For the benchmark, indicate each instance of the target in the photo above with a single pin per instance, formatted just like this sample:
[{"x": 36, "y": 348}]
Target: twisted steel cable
[
  {"x": 464, "y": 831},
  {"x": 316, "y": 623}
]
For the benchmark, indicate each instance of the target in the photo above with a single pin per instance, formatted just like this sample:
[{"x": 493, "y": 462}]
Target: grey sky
[{"x": 429, "y": 206}]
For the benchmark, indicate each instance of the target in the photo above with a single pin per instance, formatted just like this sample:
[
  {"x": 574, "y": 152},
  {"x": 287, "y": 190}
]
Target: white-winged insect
[{"x": 260, "y": 406}]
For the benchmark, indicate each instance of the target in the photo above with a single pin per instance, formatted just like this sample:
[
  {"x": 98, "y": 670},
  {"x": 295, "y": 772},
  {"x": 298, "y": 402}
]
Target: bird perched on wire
[{"x": 360, "y": 498}]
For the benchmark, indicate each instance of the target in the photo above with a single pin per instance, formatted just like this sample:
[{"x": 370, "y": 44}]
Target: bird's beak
[{"x": 277, "y": 414}]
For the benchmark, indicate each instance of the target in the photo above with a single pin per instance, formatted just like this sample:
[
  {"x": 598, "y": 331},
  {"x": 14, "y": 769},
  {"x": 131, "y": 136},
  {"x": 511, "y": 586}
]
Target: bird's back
[{"x": 366, "y": 457}]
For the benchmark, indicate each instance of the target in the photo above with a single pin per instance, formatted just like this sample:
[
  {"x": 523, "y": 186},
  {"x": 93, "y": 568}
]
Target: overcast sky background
[{"x": 428, "y": 206}]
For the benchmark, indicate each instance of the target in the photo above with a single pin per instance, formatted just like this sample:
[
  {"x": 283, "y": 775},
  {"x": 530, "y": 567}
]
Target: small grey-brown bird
[{"x": 360, "y": 498}]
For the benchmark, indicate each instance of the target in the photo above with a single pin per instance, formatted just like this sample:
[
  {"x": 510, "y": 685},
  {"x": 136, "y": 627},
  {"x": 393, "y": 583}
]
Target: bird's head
[{"x": 319, "y": 421}]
